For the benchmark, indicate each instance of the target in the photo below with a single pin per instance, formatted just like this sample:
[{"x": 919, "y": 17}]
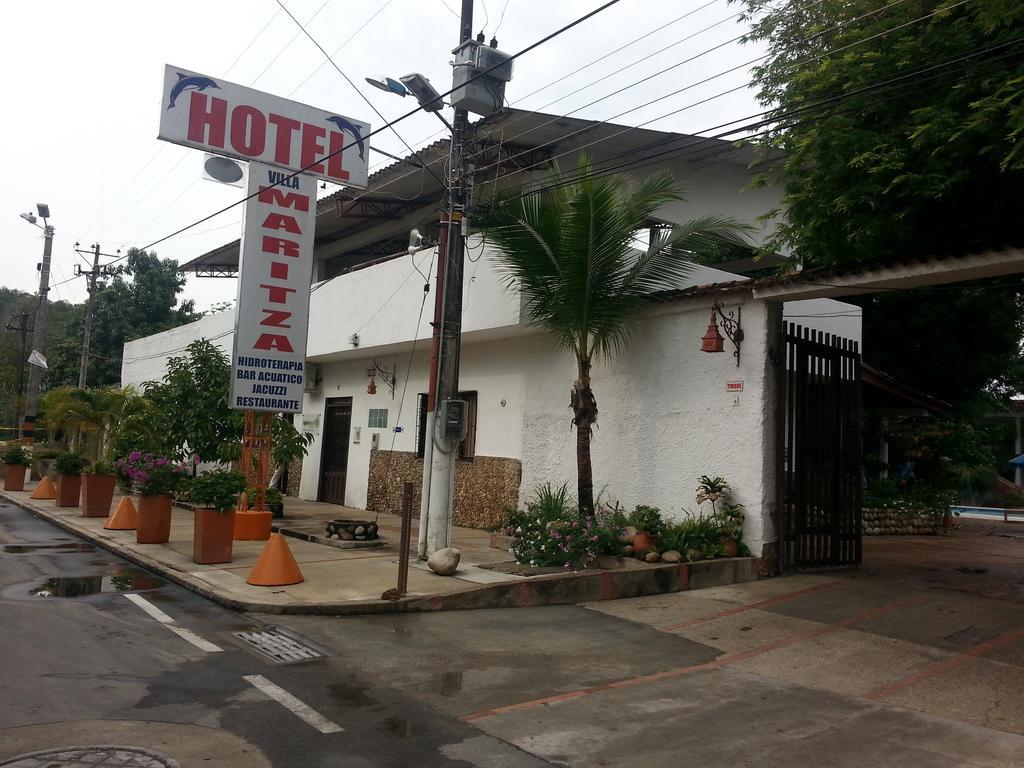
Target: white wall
[
  {"x": 665, "y": 416},
  {"x": 145, "y": 359},
  {"x": 493, "y": 369}
]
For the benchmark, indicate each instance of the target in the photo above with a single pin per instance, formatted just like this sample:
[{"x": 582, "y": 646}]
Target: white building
[{"x": 668, "y": 412}]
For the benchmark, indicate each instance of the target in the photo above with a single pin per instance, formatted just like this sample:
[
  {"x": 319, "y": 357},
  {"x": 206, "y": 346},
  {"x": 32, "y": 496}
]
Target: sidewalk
[{"x": 351, "y": 580}]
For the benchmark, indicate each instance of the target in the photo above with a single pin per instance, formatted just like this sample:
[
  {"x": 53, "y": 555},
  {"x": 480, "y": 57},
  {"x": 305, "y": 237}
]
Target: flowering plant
[
  {"x": 152, "y": 475},
  {"x": 551, "y": 531}
]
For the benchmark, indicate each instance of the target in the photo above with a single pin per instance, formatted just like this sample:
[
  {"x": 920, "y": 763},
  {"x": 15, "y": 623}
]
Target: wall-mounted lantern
[
  {"x": 386, "y": 376},
  {"x": 713, "y": 341}
]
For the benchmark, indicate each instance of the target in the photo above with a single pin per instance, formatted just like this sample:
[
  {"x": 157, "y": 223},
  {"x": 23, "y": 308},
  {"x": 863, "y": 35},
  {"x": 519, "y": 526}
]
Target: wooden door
[{"x": 334, "y": 454}]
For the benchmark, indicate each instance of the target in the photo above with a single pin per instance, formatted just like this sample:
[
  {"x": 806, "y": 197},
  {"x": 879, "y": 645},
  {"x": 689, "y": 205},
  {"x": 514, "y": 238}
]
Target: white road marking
[
  {"x": 167, "y": 621},
  {"x": 298, "y": 708}
]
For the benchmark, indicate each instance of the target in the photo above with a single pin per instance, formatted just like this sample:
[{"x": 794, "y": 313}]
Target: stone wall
[
  {"x": 485, "y": 487},
  {"x": 294, "y": 477},
  {"x": 889, "y": 522}
]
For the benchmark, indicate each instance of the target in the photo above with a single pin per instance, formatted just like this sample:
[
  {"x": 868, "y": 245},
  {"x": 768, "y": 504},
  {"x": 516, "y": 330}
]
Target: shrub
[
  {"x": 217, "y": 489},
  {"x": 152, "y": 475},
  {"x": 101, "y": 468},
  {"x": 69, "y": 464},
  {"x": 551, "y": 531},
  {"x": 645, "y": 518},
  {"x": 17, "y": 455}
]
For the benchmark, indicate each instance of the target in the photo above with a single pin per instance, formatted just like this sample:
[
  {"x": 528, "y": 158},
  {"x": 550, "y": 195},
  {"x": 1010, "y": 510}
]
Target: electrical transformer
[{"x": 485, "y": 94}]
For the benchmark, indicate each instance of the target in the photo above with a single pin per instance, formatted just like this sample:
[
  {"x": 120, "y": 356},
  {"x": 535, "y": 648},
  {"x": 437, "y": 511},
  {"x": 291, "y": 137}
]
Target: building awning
[{"x": 357, "y": 227}]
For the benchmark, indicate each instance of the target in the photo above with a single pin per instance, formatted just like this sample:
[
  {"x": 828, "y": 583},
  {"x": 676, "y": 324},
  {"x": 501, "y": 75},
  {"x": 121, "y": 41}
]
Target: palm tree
[
  {"x": 571, "y": 252},
  {"x": 99, "y": 417}
]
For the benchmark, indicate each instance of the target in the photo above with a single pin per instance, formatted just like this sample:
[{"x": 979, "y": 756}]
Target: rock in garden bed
[{"x": 891, "y": 522}]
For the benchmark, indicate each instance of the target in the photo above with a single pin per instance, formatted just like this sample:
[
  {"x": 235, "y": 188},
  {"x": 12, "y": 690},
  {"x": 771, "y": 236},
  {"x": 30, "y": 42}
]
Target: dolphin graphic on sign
[
  {"x": 189, "y": 83},
  {"x": 347, "y": 127}
]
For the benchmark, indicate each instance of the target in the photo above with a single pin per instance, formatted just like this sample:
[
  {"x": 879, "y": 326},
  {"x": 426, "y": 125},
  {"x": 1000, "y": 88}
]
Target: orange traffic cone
[
  {"x": 276, "y": 566},
  {"x": 124, "y": 518},
  {"x": 45, "y": 490}
]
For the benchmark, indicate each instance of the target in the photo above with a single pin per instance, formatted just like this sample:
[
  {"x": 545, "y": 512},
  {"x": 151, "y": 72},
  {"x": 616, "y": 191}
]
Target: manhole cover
[
  {"x": 92, "y": 757},
  {"x": 278, "y": 647}
]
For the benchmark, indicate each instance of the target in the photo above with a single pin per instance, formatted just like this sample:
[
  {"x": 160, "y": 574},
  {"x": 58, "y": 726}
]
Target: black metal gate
[{"x": 820, "y": 519}]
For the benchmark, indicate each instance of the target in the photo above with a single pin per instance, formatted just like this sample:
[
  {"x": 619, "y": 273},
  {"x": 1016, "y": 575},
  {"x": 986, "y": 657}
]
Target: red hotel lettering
[
  {"x": 277, "y": 318},
  {"x": 248, "y": 131},
  {"x": 274, "y": 196},
  {"x": 273, "y": 341},
  {"x": 201, "y": 117},
  {"x": 281, "y": 221},
  {"x": 334, "y": 168},
  {"x": 279, "y": 270},
  {"x": 277, "y": 294},
  {"x": 286, "y": 126},
  {"x": 312, "y": 148},
  {"x": 278, "y": 245}
]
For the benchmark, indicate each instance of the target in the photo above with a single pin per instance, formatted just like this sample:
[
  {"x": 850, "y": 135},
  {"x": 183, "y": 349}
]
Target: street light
[
  {"x": 36, "y": 357},
  {"x": 416, "y": 85}
]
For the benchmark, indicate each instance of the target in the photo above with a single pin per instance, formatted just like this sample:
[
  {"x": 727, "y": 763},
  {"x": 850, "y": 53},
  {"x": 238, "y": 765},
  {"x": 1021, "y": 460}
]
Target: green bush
[
  {"x": 69, "y": 464},
  {"x": 17, "y": 455},
  {"x": 550, "y": 532},
  {"x": 101, "y": 467},
  {"x": 217, "y": 489},
  {"x": 645, "y": 518}
]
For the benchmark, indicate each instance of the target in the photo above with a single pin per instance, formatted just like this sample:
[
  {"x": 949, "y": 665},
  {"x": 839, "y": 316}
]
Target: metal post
[
  {"x": 404, "y": 541},
  {"x": 442, "y": 465},
  {"x": 84, "y": 367},
  {"x": 28, "y": 430}
]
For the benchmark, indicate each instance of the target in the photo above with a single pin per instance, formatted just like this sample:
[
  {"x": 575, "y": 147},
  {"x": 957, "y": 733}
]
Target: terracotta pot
[
  {"x": 253, "y": 526},
  {"x": 154, "y": 519},
  {"x": 213, "y": 535},
  {"x": 948, "y": 521},
  {"x": 97, "y": 495},
  {"x": 69, "y": 489},
  {"x": 643, "y": 543},
  {"x": 14, "y": 477},
  {"x": 731, "y": 547}
]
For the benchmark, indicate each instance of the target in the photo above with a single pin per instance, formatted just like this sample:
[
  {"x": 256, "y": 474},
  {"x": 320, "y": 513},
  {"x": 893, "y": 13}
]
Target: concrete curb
[{"x": 555, "y": 589}]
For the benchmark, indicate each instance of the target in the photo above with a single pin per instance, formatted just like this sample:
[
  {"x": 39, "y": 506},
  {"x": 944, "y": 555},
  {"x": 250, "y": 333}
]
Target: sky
[{"x": 84, "y": 80}]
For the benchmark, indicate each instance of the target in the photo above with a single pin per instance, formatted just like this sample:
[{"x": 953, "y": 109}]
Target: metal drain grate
[{"x": 277, "y": 647}]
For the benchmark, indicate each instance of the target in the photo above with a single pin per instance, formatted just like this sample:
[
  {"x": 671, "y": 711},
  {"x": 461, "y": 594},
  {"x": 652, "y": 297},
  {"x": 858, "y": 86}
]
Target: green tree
[
  {"x": 930, "y": 164},
  {"x": 141, "y": 299},
  {"x": 571, "y": 254},
  {"x": 104, "y": 422},
  {"x": 193, "y": 413}
]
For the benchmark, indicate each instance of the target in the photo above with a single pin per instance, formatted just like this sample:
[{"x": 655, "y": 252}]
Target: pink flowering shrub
[
  {"x": 150, "y": 475},
  {"x": 550, "y": 532}
]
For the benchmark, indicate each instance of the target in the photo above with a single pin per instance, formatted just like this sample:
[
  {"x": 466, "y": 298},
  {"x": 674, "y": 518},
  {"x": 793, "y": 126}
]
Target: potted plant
[
  {"x": 15, "y": 461},
  {"x": 98, "y": 489},
  {"x": 68, "y": 467},
  {"x": 274, "y": 501},
  {"x": 648, "y": 524},
  {"x": 215, "y": 495},
  {"x": 154, "y": 478},
  {"x": 730, "y": 522}
]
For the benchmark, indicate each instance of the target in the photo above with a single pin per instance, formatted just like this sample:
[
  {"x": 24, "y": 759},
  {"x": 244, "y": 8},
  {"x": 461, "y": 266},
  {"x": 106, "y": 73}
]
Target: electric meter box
[
  {"x": 452, "y": 418},
  {"x": 485, "y": 94}
]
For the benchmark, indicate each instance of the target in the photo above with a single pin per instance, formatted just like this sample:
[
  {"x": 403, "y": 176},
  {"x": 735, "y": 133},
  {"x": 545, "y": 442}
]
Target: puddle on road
[
  {"x": 397, "y": 726},
  {"x": 125, "y": 580},
  {"x": 21, "y": 549}
]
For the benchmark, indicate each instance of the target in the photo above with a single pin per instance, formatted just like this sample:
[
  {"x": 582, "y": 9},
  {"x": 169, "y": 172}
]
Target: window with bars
[
  {"x": 378, "y": 418},
  {"x": 467, "y": 449}
]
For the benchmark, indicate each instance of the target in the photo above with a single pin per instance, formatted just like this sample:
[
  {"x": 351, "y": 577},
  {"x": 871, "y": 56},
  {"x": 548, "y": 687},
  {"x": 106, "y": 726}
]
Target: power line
[
  {"x": 777, "y": 118},
  {"x": 361, "y": 94},
  {"x": 710, "y": 78},
  {"x": 483, "y": 73},
  {"x": 715, "y": 96},
  {"x": 294, "y": 37}
]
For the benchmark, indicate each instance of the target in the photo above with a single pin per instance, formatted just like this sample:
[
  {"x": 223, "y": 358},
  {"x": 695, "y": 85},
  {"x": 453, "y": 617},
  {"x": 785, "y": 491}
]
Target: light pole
[
  {"x": 28, "y": 430},
  {"x": 439, "y": 453}
]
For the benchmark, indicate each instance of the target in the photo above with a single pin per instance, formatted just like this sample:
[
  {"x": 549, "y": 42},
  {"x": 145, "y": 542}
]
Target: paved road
[
  {"x": 888, "y": 669},
  {"x": 86, "y": 664}
]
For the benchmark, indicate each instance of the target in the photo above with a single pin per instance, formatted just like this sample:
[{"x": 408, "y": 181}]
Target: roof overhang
[{"x": 357, "y": 227}]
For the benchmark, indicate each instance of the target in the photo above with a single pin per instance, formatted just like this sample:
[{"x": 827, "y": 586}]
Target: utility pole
[
  {"x": 437, "y": 516},
  {"x": 22, "y": 329},
  {"x": 28, "y": 430},
  {"x": 92, "y": 276}
]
